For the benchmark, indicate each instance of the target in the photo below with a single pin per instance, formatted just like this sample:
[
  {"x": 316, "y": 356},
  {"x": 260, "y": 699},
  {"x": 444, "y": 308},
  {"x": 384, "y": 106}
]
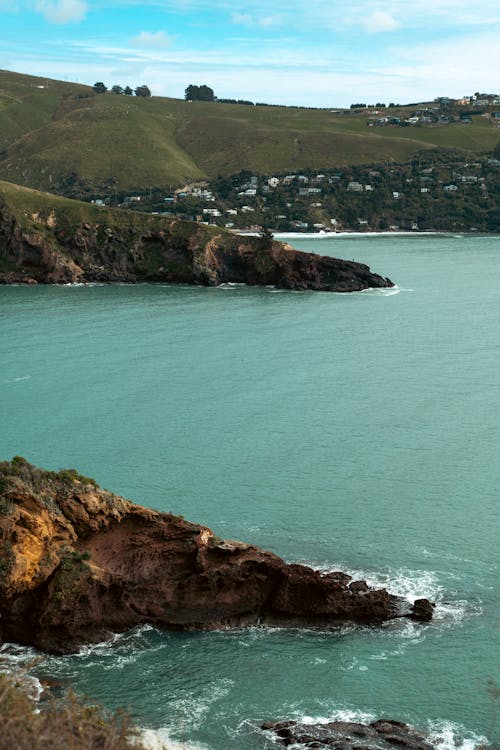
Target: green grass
[{"x": 126, "y": 143}]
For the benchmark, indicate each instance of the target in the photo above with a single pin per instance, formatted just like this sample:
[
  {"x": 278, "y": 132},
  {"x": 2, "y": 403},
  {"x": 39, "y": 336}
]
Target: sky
[{"x": 321, "y": 53}]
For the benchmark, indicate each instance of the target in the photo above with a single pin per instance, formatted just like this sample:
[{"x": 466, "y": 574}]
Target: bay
[{"x": 356, "y": 432}]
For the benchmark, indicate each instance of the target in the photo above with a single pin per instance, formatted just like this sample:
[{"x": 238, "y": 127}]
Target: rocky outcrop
[
  {"x": 78, "y": 562},
  {"x": 59, "y": 241},
  {"x": 384, "y": 734}
]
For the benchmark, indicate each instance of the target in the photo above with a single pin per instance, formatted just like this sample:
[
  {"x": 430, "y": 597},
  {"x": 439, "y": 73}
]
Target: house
[
  {"x": 354, "y": 187},
  {"x": 450, "y": 188},
  {"x": 212, "y": 212},
  {"x": 273, "y": 182}
]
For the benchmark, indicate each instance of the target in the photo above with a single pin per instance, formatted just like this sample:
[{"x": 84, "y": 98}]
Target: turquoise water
[{"x": 346, "y": 431}]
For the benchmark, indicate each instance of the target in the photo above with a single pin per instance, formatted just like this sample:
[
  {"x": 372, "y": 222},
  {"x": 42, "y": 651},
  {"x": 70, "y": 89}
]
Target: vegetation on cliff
[
  {"x": 50, "y": 239},
  {"x": 65, "y": 723}
]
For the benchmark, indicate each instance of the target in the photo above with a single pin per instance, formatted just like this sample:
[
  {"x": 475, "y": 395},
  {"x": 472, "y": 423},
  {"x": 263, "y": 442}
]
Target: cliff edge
[
  {"x": 78, "y": 563},
  {"x": 48, "y": 239}
]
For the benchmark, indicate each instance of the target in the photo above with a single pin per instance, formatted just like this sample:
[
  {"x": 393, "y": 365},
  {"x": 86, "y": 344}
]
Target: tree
[
  {"x": 199, "y": 94},
  {"x": 142, "y": 91},
  {"x": 128, "y": 91},
  {"x": 99, "y": 87},
  {"x": 117, "y": 89}
]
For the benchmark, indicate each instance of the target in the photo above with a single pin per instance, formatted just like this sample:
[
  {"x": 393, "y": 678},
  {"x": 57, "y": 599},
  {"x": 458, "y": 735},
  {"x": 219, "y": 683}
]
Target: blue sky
[{"x": 311, "y": 52}]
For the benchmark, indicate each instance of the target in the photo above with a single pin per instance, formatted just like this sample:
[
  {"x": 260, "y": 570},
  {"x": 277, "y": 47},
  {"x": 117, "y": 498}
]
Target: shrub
[{"x": 58, "y": 724}]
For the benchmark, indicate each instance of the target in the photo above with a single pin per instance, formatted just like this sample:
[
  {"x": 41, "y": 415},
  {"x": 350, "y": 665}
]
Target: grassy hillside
[{"x": 54, "y": 133}]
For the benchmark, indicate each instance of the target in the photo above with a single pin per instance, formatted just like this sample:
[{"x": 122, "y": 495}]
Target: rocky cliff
[
  {"x": 53, "y": 240},
  {"x": 78, "y": 562}
]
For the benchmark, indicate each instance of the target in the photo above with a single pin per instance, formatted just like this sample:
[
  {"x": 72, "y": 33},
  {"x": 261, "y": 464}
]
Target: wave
[
  {"x": 446, "y": 735},
  {"x": 416, "y": 584},
  {"x": 17, "y": 380},
  {"x": 161, "y": 739},
  {"x": 342, "y": 235}
]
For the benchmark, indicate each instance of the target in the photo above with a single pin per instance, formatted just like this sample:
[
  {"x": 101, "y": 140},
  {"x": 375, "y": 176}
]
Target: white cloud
[
  {"x": 62, "y": 11},
  {"x": 152, "y": 40},
  {"x": 380, "y": 21},
  {"x": 245, "y": 19}
]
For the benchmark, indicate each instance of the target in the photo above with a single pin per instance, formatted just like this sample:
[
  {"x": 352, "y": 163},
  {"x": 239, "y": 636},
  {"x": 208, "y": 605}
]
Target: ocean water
[{"x": 357, "y": 432}]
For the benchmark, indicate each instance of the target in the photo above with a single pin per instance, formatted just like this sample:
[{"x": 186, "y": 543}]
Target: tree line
[{"x": 100, "y": 88}]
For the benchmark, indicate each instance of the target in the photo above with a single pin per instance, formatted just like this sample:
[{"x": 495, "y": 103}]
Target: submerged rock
[
  {"x": 384, "y": 734},
  {"x": 78, "y": 563}
]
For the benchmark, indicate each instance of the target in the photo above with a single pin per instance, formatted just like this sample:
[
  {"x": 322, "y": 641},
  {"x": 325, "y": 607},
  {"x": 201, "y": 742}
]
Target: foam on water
[
  {"x": 446, "y": 735},
  {"x": 416, "y": 584},
  {"x": 17, "y": 380},
  {"x": 161, "y": 739}
]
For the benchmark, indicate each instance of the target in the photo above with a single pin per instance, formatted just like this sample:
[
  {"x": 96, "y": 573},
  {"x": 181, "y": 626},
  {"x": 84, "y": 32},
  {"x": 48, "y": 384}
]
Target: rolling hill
[{"x": 54, "y": 134}]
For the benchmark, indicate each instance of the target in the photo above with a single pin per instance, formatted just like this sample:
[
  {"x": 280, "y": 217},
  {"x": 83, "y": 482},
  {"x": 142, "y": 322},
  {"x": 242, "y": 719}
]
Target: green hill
[{"x": 55, "y": 134}]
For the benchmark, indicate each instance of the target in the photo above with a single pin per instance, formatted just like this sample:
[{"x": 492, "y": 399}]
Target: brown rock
[
  {"x": 122, "y": 246},
  {"x": 78, "y": 563},
  {"x": 384, "y": 734},
  {"x": 422, "y": 610}
]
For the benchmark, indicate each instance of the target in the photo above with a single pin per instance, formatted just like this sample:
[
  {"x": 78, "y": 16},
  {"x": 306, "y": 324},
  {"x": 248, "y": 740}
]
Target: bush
[{"x": 63, "y": 724}]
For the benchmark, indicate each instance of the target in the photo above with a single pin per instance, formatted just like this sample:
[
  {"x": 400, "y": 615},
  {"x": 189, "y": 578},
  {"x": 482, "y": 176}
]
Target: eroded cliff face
[
  {"x": 59, "y": 246},
  {"x": 78, "y": 563}
]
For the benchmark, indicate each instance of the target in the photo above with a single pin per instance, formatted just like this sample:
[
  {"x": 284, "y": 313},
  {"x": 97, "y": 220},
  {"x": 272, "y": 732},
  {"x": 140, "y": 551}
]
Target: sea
[{"x": 356, "y": 432}]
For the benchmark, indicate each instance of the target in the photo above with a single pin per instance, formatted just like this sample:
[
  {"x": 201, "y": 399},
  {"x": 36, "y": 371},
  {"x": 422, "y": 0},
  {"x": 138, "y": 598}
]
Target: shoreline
[{"x": 353, "y": 233}]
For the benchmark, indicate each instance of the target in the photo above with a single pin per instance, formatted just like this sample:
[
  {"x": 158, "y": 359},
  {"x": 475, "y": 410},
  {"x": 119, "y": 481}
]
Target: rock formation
[
  {"x": 384, "y": 734},
  {"x": 52, "y": 240},
  {"x": 78, "y": 563}
]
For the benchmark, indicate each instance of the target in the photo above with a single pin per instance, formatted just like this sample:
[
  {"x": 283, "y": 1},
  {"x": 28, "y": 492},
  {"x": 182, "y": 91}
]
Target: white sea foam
[
  {"x": 341, "y": 235},
  {"x": 19, "y": 379},
  {"x": 416, "y": 584},
  {"x": 381, "y": 291},
  {"x": 342, "y": 713},
  {"x": 161, "y": 739},
  {"x": 446, "y": 735}
]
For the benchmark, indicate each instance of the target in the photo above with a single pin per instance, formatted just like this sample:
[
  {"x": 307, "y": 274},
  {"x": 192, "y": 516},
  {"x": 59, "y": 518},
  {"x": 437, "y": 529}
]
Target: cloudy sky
[{"x": 308, "y": 52}]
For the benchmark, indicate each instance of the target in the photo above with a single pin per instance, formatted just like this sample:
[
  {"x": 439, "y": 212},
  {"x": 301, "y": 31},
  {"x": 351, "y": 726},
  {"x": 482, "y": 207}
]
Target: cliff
[
  {"x": 78, "y": 563},
  {"x": 52, "y": 240}
]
